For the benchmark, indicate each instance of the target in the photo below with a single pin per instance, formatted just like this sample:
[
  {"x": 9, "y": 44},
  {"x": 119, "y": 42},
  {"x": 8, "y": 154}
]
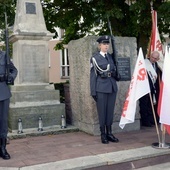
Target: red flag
[
  {"x": 155, "y": 41},
  {"x": 163, "y": 103},
  {"x": 139, "y": 86}
]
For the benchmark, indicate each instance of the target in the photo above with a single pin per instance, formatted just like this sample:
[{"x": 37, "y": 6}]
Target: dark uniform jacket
[
  {"x": 99, "y": 83},
  {"x": 155, "y": 87},
  {"x": 4, "y": 88}
]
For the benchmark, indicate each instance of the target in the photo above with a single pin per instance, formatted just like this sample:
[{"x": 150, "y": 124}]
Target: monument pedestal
[{"x": 28, "y": 102}]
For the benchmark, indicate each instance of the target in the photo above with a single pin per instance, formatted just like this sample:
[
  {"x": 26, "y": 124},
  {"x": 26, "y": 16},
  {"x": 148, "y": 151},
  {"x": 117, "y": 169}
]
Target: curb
[{"x": 108, "y": 159}]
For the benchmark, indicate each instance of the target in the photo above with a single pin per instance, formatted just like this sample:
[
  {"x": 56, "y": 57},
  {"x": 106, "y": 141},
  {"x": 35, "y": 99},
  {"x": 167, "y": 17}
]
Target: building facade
[{"x": 58, "y": 61}]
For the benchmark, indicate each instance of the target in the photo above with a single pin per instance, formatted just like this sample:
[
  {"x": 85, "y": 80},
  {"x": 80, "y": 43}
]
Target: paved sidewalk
[
  {"x": 163, "y": 166},
  {"x": 78, "y": 150}
]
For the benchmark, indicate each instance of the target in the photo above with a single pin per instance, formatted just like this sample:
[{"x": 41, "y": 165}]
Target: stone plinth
[
  {"x": 84, "y": 114},
  {"x": 31, "y": 59},
  {"x": 30, "y": 102}
]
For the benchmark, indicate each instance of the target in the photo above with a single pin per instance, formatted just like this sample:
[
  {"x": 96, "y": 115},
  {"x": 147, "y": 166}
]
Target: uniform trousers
[
  {"x": 105, "y": 107},
  {"x": 4, "y": 109}
]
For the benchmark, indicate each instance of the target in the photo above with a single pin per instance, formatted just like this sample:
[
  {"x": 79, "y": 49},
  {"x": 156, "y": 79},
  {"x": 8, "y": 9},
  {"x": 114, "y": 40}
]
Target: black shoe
[
  {"x": 112, "y": 138},
  {"x": 4, "y": 154},
  {"x": 104, "y": 140},
  {"x": 109, "y": 134}
]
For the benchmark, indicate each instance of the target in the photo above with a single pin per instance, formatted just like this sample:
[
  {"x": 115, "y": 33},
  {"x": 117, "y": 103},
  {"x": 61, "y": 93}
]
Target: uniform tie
[
  {"x": 106, "y": 57},
  {"x": 153, "y": 64}
]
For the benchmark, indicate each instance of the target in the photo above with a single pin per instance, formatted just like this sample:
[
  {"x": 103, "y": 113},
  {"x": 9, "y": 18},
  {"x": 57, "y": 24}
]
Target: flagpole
[
  {"x": 156, "y": 124},
  {"x": 163, "y": 135},
  {"x": 161, "y": 143}
]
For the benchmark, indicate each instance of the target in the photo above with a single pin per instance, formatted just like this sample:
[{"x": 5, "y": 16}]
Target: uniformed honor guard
[
  {"x": 103, "y": 88},
  {"x": 5, "y": 95}
]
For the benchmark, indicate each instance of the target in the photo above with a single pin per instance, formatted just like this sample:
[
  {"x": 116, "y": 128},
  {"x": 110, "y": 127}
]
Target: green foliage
[
  {"x": 81, "y": 18},
  {"x": 7, "y": 6},
  {"x": 59, "y": 46},
  {"x": 164, "y": 17}
]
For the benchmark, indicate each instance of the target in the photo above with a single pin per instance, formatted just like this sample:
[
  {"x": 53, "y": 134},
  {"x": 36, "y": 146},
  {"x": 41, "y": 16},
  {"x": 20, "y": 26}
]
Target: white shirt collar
[{"x": 102, "y": 53}]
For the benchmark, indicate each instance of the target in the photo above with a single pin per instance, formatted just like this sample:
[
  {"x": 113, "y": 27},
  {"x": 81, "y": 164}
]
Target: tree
[
  {"x": 8, "y": 7},
  {"x": 81, "y": 18},
  {"x": 89, "y": 17}
]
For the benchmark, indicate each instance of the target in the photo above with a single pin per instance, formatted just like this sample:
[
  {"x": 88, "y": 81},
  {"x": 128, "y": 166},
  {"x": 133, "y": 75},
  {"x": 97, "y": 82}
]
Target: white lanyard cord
[{"x": 97, "y": 68}]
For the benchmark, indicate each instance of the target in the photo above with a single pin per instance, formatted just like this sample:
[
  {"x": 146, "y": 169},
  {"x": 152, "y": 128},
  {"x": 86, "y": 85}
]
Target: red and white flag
[
  {"x": 139, "y": 86},
  {"x": 155, "y": 41},
  {"x": 164, "y": 97}
]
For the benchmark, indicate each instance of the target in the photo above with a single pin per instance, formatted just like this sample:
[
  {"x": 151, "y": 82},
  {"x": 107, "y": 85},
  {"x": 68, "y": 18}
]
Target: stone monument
[
  {"x": 32, "y": 96},
  {"x": 84, "y": 113}
]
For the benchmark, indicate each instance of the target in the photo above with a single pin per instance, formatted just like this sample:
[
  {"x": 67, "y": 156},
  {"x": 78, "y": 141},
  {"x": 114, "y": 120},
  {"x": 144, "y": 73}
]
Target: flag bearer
[{"x": 104, "y": 88}]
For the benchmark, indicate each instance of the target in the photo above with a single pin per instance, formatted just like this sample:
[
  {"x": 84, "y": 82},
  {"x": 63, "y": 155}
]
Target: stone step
[
  {"x": 48, "y": 130},
  {"x": 32, "y": 87},
  {"x": 38, "y": 95},
  {"x": 29, "y": 113}
]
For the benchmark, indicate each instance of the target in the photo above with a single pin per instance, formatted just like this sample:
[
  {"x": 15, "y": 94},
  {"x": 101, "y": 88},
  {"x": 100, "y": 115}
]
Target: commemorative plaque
[
  {"x": 30, "y": 8},
  {"x": 124, "y": 68}
]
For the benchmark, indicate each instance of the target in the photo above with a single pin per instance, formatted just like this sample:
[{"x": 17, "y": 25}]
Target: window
[{"x": 65, "y": 72}]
